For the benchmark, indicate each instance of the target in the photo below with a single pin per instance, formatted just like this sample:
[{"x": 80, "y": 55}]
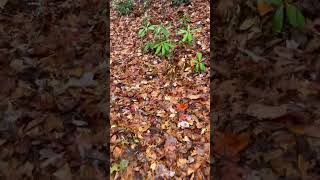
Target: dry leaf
[
  {"x": 64, "y": 173},
  {"x": 182, "y": 106},
  {"x": 261, "y": 111},
  {"x": 263, "y": 7},
  {"x": 231, "y": 144}
]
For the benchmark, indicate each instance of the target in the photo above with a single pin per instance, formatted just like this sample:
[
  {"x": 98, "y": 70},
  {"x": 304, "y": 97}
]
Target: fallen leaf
[
  {"x": 3, "y": 3},
  {"x": 263, "y": 7},
  {"x": 182, "y": 106},
  {"x": 248, "y": 23},
  {"x": 85, "y": 81},
  {"x": 261, "y": 111},
  {"x": 193, "y": 97},
  {"x": 231, "y": 144},
  {"x": 183, "y": 124},
  {"x": 182, "y": 162},
  {"x": 64, "y": 173},
  {"x": 117, "y": 152}
]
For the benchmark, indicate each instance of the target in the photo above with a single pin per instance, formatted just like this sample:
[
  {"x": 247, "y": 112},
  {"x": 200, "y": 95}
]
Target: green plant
[
  {"x": 162, "y": 47},
  {"x": 124, "y": 7},
  {"x": 179, "y": 2},
  {"x": 121, "y": 166},
  {"x": 293, "y": 14},
  {"x": 199, "y": 66},
  {"x": 185, "y": 20},
  {"x": 187, "y": 35},
  {"x": 147, "y": 46},
  {"x": 161, "y": 32},
  {"x": 146, "y": 26}
]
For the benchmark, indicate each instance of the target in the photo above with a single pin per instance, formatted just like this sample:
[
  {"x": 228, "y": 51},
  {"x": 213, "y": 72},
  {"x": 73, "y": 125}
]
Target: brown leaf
[
  {"x": 231, "y": 144},
  {"x": 232, "y": 171},
  {"x": 117, "y": 152},
  {"x": 90, "y": 172},
  {"x": 262, "y": 111}
]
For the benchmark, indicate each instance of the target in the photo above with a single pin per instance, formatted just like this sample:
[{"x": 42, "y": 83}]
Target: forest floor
[
  {"x": 266, "y": 93},
  {"x": 53, "y": 96},
  {"x": 159, "y": 109}
]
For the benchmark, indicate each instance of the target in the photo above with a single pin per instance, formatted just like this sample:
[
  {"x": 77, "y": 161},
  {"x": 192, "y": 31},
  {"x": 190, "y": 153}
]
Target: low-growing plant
[
  {"x": 199, "y": 66},
  {"x": 179, "y": 2},
  {"x": 121, "y": 166},
  {"x": 293, "y": 14},
  {"x": 185, "y": 20},
  {"x": 163, "y": 47},
  {"x": 147, "y": 46},
  {"x": 161, "y": 44},
  {"x": 146, "y": 26},
  {"x": 161, "y": 32},
  {"x": 124, "y": 7},
  {"x": 187, "y": 34}
]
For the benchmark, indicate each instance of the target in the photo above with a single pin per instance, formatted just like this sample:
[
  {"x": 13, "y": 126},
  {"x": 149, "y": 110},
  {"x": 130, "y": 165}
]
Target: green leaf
[
  {"x": 194, "y": 61},
  {"x": 277, "y": 20},
  {"x": 199, "y": 55},
  {"x": 197, "y": 67},
  {"x": 166, "y": 46},
  {"x": 202, "y": 67},
  {"x": 141, "y": 33},
  {"x": 152, "y": 27},
  {"x": 275, "y": 2},
  {"x": 115, "y": 167},
  {"x": 185, "y": 37},
  {"x": 156, "y": 46},
  {"x": 189, "y": 37},
  {"x": 181, "y": 31},
  {"x": 294, "y": 15},
  {"x": 124, "y": 164},
  {"x": 163, "y": 51},
  {"x": 158, "y": 49}
]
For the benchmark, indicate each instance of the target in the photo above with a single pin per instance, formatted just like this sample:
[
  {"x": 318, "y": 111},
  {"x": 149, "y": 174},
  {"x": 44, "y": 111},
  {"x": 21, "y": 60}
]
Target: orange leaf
[
  {"x": 263, "y": 7},
  {"x": 182, "y": 107}
]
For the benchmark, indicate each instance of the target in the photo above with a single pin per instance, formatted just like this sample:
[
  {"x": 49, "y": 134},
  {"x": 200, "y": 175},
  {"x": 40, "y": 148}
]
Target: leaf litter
[
  {"x": 159, "y": 109},
  {"x": 53, "y": 95},
  {"x": 266, "y": 120}
]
